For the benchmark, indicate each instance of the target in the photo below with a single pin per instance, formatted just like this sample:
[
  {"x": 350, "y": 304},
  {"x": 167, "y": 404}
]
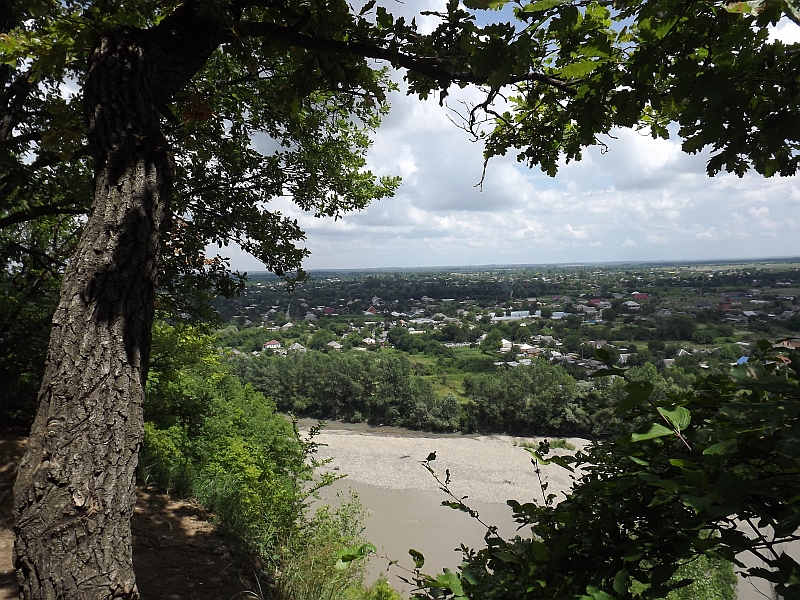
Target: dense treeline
[
  {"x": 351, "y": 386},
  {"x": 381, "y": 389}
]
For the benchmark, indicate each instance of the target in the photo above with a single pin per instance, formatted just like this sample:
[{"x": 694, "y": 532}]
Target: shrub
[{"x": 209, "y": 436}]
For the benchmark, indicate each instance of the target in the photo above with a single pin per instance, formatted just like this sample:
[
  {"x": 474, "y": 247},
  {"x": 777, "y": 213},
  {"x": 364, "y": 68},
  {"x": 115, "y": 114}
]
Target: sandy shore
[{"x": 489, "y": 469}]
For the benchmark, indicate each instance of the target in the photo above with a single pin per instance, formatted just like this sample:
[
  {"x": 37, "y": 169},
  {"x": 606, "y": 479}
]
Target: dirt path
[{"x": 177, "y": 552}]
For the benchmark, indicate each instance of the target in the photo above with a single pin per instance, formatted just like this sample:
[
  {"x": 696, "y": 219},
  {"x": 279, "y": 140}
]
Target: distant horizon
[{"x": 489, "y": 266}]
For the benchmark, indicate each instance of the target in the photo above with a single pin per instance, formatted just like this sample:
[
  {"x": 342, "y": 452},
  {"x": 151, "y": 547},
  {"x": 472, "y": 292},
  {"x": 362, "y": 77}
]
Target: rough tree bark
[{"x": 75, "y": 494}]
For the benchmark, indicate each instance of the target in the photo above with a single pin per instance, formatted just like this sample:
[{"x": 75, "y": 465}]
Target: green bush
[
  {"x": 209, "y": 436},
  {"x": 380, "y": 590},
  {"x": 310, "y": 565}
]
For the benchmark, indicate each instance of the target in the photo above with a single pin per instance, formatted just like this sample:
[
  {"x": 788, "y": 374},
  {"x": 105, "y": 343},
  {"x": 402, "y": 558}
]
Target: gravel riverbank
[{"x": 488, "y": 469}]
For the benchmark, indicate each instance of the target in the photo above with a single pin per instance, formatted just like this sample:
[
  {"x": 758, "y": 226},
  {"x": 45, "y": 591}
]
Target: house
[
  {"x": 590, "y": 311},
  {"x": 310, "y": 317},
  {"x": 296, "y": 347},
  {"x": 371, "y": 311},
  {"x": 664, "y": 312},
  {"x": 335, "y": 345},
  {"x": 603, "y": 304},
  {"x": 514, "y": 315},
  {"x": 792, "y": 344},
  {"x": 736, "y": 319},
  {"x": 640, "y": 296},
  {"x": 287, "y": 326},
  {"x": 368, "y": 341},
  {"x": 505, "y": 345},
  {"x": 631, "y": 305},
  {"x": 787, "y": 314},
  {"x": 272, "y": 345}
]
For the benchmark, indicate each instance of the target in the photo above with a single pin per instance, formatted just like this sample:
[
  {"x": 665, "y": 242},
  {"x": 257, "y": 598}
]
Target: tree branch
[
  {"x": 433, "y": 67},
  {"x": 39, "y": 211},
  {"x": 12, "y": 100}
]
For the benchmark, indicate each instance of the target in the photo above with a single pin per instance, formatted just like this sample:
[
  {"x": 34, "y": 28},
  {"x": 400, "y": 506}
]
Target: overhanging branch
[
  {"x": 39, "y": 211},
  {"x": 433, "y": 67}
]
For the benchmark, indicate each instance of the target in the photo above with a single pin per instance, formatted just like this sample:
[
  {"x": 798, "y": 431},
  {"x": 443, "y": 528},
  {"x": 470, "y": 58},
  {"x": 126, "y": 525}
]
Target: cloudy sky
[{"x": 643, "y": 200}]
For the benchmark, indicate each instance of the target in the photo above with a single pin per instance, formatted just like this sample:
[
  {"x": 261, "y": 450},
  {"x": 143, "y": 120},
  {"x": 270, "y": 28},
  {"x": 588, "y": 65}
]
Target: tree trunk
[
  {"x": 75, "y": 495},
  {"x": 75, "y": 491}
]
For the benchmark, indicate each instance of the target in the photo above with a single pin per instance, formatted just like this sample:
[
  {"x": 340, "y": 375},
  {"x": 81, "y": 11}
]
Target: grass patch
[{"x": 558, "y": 443}]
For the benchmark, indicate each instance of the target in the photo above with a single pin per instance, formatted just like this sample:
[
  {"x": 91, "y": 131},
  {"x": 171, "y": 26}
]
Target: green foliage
[
  {"x": 560, "y": 443},
  {"x": 540, "y": 398},
  {"x": 352, "y": 386},
  {"x": 713, "y": 473},
  {"x": 29, "y": 282},
  {"x": 676, "y": 327},
  {"x": 554, "y": 444},
  {"x": 380, "y": 590},
  {"x": 312, "y": 565},
  {"x": 317, "y": 113},
  {"x": 209, "y": 436}
]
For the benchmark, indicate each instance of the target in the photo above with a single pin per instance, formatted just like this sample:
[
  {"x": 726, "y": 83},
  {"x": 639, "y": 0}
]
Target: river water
[{"x": 384, "y": 467}]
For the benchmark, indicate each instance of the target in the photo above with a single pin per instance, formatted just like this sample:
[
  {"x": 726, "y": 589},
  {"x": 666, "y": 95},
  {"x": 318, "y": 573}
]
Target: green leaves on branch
[
  {"x": 353, "y": 553},
  {"x": 650, "y": 432},
  {"x": 716, "y": 479}
]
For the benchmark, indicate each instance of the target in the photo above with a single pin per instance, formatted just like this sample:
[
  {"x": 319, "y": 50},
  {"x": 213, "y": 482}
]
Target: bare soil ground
[{"x": 178, "y": 554}]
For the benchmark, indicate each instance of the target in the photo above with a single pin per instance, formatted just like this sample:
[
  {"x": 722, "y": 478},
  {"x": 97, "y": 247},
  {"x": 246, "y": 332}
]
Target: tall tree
[{"x": 158, "y": 146}]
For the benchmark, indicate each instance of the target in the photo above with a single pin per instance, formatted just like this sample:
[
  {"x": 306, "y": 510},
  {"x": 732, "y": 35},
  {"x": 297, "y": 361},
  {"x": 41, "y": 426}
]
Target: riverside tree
[{"x": 171, "y": 124}]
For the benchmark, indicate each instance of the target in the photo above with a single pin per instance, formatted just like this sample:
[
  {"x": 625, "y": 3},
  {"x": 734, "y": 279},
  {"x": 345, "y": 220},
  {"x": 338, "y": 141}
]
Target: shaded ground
[{"x": 177, "y": 552}]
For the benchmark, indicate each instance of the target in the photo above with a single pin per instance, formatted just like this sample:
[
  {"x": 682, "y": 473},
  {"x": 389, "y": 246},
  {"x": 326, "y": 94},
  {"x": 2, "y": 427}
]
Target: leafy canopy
[{"x": 285, "y": 104}]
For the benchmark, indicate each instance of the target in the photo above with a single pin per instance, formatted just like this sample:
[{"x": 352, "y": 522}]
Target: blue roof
[{"x": 742, "y": 360}]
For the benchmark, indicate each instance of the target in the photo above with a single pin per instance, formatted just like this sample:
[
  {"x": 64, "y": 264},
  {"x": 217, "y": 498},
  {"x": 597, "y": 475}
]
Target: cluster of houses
[
  {"x": 739, "y": 308},
  {"x": 742, "y": 308},
  {"x": 278, "y": 348}
]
